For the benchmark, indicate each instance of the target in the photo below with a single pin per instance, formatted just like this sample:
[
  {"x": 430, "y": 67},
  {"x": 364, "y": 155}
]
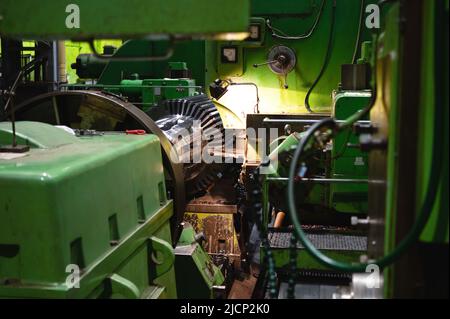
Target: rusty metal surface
[{"x": 211, "y": 208}]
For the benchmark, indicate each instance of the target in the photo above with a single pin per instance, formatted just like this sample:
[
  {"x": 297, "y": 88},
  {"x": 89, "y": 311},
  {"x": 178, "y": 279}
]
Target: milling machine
[{"x": 328, "y": 179}]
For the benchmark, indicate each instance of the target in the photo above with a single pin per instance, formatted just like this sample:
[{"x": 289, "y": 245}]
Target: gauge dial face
[{"x": 286, "y": 57}]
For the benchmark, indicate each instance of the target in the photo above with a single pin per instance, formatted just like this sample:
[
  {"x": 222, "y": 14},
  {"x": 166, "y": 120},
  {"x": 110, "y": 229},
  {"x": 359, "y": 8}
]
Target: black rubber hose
[
  {"x": 327, "y": 59},
  {"x": 358, "y": 37}
]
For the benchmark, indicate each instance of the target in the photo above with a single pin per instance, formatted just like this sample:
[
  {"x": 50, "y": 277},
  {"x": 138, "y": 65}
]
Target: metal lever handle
[{"x": 265, "y": 63}]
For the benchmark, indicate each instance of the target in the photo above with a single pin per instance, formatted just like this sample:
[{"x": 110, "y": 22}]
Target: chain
[
  {"x": 256, "y": 198},
  {"x": 292, "y": 266}
]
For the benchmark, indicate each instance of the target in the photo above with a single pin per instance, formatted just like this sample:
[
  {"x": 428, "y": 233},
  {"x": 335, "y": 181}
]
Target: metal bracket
[{"x": 162, "y": 256}]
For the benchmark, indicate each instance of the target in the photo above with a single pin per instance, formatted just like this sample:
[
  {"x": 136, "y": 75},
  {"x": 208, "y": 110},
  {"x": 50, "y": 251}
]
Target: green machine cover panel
[{"x": 95, "y": 202}]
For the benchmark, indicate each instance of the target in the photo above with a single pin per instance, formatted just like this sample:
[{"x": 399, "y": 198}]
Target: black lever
[
  {"x": 282, "y": 62},
  {"x": 265, "y": 63}
]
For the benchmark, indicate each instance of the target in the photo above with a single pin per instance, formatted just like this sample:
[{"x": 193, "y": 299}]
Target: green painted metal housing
[
  {"x": 294, "y": 18},
  {"x": 304, "y": 261},
  {"x": 122, "y": 18},
  {"x": 95, "y": 202},
  {"x": 197, "y": 275}
]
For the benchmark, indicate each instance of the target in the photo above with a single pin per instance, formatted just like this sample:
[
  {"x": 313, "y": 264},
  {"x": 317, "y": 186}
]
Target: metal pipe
[
  {"x": 265, "y": 208},
  {"x": 304, "y": 121},
  {"x": 321, "y": 180}
]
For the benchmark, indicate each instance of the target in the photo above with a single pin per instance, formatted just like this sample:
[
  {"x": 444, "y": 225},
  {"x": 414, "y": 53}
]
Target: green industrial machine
[
  {"x": 303, "y": 30},
  {"x": 371, "y": 153},
  {"x": 124, "y": 79},
  {"x": 118, "y": 248},
  {"x": 78, "y": 221},
  {"x": 334, "y": 195},
  {"x": 107, "y": 19},
  {"x": 349, "y": 200},
  {"x": 414, "y": 100},
  {"x": 87, "y": 214},
  {"x": 205, "y": 279},
  {"x": 407, "y": 224},
  {"x": 347, "y": 160}
]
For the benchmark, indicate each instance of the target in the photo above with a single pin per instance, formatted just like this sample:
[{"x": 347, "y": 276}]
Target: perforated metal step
[{"x": 339, "y": 242}]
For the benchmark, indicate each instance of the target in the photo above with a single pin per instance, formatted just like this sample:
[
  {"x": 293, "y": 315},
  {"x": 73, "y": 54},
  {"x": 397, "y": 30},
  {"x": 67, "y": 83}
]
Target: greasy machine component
[
  {"x": 340, "y": 242},
  {"x": 187, "y": 115},
  {"x": 93, "y": 110}
]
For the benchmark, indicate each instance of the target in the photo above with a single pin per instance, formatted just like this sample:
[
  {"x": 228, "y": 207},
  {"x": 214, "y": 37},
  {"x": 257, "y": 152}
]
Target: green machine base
[{"x": 84, "y": 217}]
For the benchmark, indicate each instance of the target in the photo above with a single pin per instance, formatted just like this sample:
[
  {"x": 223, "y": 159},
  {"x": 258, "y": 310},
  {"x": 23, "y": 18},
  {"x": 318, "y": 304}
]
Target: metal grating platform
[{"x": 336, "y": 242}]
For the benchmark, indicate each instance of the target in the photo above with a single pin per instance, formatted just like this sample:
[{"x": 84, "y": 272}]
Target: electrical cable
[
  {"x": 284, "y": 36},
  {"x": 327, "y": 59}
]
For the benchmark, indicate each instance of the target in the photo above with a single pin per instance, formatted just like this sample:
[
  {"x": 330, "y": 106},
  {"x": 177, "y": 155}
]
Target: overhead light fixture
[
  {"x": 255, "y": 33},
  {"x": 219, "y": 88}
]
